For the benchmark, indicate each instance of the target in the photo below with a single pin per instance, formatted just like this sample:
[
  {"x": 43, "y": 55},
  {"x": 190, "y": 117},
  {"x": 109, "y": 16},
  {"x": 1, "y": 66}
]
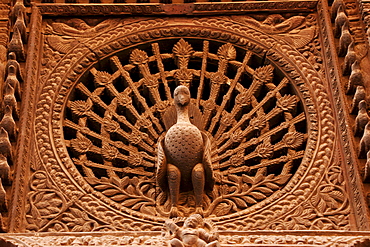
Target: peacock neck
[{"x": 182, "y": 114}]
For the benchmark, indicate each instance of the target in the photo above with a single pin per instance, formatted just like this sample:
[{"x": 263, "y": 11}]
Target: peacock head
[{"x": 182, "y": 96}]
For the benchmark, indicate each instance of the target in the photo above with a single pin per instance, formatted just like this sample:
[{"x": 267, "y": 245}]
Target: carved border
[
  {"x": 347, "y": 148},
  {"x": 175, "y": 9},
  {"x": 24, "y": 143},
  {"x": 238, "y": 239}
]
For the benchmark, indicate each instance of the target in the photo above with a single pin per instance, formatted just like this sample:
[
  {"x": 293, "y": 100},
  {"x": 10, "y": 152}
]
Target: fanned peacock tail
[{"x": 118, "y": 112}]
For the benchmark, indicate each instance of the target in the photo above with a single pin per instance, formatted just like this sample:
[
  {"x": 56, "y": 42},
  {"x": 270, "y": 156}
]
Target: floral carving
[
  {"x": 133, "y": 112},
  {"x": 264, "y": 74},
  {"x": 81, "y": 144},
  {"x": 123, "y": 99},
  {"x": 182, "y": 49},
  {"x": 109, "y": 152},
  {"x": 138, "y": 57},
  {"x": 227, "y": 52},
  {"x": 102, "y": 78},
  {"x": 80, "y": 107},
  {"x": 265, "y": 149},
  {"x": 287, "y": 102},
  {"x": 110, "y": 125},
  {"x": 243, "y": 99},
  {"x": 293, "y": 139}
]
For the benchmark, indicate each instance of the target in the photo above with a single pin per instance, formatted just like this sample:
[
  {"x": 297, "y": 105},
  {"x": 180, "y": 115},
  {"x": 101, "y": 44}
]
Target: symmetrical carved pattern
[
  {"x": 283, "y": 238},
  {"x": 256, "y": 145},
  {"x": 254, "y": 90}
]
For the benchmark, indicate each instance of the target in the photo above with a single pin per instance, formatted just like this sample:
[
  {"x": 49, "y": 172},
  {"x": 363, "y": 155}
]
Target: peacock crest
[{"x": 254, "y": 120}]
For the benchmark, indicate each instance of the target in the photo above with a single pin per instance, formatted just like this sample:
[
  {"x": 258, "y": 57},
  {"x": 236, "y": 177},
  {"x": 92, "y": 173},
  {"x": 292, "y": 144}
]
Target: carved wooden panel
[{"x": 259, "y": 85}]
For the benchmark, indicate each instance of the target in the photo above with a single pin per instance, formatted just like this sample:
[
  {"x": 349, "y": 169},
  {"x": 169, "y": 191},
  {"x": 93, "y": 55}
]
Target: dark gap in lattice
[
  {"x": 270, "y": 103},
  {"x": 245, "y": 124},
  {"x": 276, "y": 120},
  {"x": 275, "y": 168},
  {"x": 255, "y": 62},
  {"x": 74, "y": 153},
  {"x": 70, "y": 1},
  {"x": 119, "y": 84},
  {"x": 69, "y": 133},
  {"x": 275, "y": 138},
  {"x": 138, "y": 105},
  {"x": 195, "y": 63},
  {"x": 295, "y": 166},
  {"x": 135, "y": 74},
  {"x": 206, "y": 89},
  {"x": 212, "y": 66},
  {"x": 93, "y": 125},
  {"x": 224, "y": 88},
  {"x": 119, "y": 1},
  {"x": 118, "y": 137},
  {"x": 119, "y": 163},
  {"x": 128, "y": 115},
  {"x": 145, "y": 92},
  {"x": 162, "y": 91},
  {"x": 154, "y": 68},
  {"x": 80, "y": 169},
  {"x": 194, "y": 87},
  {"x": 169, "y": 64},
  {"x": 172, "y": 85},
  {"x": 301, "y": 126}
]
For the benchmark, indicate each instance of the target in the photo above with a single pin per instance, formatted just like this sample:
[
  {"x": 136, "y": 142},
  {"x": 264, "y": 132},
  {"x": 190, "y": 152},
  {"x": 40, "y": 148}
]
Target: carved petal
[
  {"x": 138, "y": 57},
  {"x": 227, "y": 51},
  {"x": 183, "y": 48}
]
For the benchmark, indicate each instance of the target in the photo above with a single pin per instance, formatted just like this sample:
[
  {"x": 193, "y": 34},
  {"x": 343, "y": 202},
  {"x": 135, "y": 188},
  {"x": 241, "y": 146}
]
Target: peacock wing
[
  {"x": 161, "y": 166},
  {"x": 207, "y": 164}
]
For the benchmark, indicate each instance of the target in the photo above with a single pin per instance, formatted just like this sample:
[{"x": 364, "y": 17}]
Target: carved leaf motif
[
  {"x": 130, "y": 202},
  {"x": 109, "y": 152},
  {"x": 258, "y": 122},
  {"x": 138, "y": 57},
  {"x": 293, "y": 139},
  {"x": 239, "y": 202},
  {"x": 119, "y": 198},
  {"x": 135, "y": 159},
  {"x": 249, "y": 200},
  {"x": 227, "y": 51},
  {"x": 264, "y": 74},
  {"x": 243, "y": 99},
  {"x": 110, "y": 192},
  {"x": 265, "y": 190},
  {"x": 123, "y": 99},
  {"x": 265, "y": 150},
  {"x": 287, "y": 102},
  {"x": 258, "y": 195},
  {"x": 247, "y": 179},
  {"x": 110, "y": 125},
  {"x": 46, "y": 204},
  {"x": 183, "y": 48},
  {"x": 222, "y": 209},
  {"x": 80, "y": 107},
  {"x": 81, "y": 144},
  {"x": 102, "y": 78}
]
